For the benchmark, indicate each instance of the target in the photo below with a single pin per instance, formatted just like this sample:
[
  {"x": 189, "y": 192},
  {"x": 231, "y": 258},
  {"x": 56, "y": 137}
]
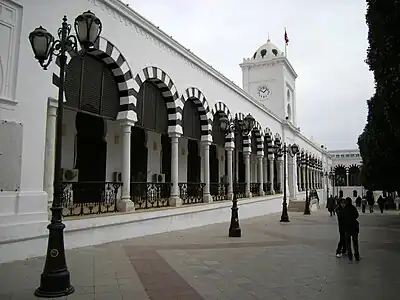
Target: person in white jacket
[{"x": 397, "y": 201}]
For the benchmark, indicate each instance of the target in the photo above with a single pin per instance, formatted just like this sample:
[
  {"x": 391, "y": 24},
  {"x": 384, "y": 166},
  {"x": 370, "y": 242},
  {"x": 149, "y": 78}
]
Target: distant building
[{"x": 346, "y": 166}]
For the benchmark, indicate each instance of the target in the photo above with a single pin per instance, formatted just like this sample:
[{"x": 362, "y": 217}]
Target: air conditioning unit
[
  {"x": 159, "y": 178},
  {"x": 117, "y": 177},
  {"x": 70, "y": 175}
]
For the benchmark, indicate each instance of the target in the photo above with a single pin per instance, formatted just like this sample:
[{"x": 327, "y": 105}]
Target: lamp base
[
  {"x": 235, "y": 232},
  {"x": 285, "y": 219},
  {"x": 53, "y": 285}
]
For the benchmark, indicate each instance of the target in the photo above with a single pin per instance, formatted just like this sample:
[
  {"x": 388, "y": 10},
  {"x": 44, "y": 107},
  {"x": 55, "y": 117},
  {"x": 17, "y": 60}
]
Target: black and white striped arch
[
  {"x": 220, "y": 109},
  {"x": 206, "y": 117},
  {"x": 117, "y": 64},
  {"x": 169, "y": 92}
]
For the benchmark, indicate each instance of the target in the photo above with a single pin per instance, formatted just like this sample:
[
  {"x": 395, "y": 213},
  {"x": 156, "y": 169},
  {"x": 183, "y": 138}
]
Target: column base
[
  {"x": 175, "y": 201},
  {"x": 262, "y": 193},
  {"x": 272, "y": 192},
  {"x": 125, "y": 205},
  {"x": 207, "y": 198},
  {"x": 230, "y": 195},
  {"x": 248, "y": 194}
]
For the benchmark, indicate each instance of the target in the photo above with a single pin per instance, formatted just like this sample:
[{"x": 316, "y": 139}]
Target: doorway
[{"x": 91, "y": 155}]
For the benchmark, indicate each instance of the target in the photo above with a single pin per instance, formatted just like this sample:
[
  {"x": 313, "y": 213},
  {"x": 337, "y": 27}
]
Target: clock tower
[{"x": 269, "y": 77}]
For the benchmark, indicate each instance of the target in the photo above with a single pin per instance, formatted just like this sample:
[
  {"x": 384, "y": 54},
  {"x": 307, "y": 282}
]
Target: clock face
[{"x": 264, "y": 92}]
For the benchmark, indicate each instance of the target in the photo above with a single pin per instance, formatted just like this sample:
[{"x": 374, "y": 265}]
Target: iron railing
[
  {"x": 191, "y": 192},
  {"x": 219, "y": 191},
  {"x": 89, "y": 198},
  {"x": 267, "y": 187},
  {"x": 278, "y": 188},
  {"x": 240, "y": 189},
  {"x": 147, "y": 195},
  {"x": 255, "y": 188}
]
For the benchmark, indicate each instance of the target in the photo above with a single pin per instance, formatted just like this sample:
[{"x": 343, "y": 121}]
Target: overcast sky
[{"x": 327, "y": 48}]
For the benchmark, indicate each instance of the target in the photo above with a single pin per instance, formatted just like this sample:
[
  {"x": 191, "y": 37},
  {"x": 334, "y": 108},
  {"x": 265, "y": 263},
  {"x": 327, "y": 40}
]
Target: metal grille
[
  {"x": 90, "y": 86},
  {"x": 191, "y": 121}
]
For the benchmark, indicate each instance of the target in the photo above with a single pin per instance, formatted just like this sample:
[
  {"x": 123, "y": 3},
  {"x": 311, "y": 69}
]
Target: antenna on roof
[{"x": 268, "y": 37}]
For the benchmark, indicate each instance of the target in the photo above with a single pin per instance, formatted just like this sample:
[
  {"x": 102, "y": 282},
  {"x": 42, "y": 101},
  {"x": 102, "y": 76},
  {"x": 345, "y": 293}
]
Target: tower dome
[{"x": 266, "y": 51}]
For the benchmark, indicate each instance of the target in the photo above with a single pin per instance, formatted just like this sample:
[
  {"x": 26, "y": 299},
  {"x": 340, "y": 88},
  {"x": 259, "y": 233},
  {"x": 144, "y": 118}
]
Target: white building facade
[
  {"x": 141, "y": 133},
  {"x": 346, "y": 167}
]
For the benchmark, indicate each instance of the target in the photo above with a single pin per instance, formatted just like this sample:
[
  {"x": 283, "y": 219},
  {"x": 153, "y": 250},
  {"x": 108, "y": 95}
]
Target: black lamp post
[
  {"x": 292, "y": 151},
  {"x": 307, "y": 204},
  {"x": 235, "y": 126},
  {"x": 55, "y": 279}
]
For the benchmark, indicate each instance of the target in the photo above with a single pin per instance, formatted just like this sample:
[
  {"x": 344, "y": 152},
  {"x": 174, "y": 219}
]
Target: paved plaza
[{"x": 271, "y": 261}]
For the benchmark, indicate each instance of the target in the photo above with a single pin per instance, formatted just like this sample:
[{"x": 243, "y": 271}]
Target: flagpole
[{"x": 285, "y": 43}]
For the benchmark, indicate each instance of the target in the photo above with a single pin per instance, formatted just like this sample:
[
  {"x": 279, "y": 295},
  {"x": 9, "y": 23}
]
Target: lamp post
[
  {"x": 292, "y": 151},
  {"x": 331, "y": 180},
  {"x": 244, "y": 127},
  {"x": 307, "y": 204},
  {"x": 55, "y": 279}
]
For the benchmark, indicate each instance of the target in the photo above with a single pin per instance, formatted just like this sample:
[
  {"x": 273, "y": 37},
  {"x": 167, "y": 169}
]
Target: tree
[{"x": 379, "y": 143}]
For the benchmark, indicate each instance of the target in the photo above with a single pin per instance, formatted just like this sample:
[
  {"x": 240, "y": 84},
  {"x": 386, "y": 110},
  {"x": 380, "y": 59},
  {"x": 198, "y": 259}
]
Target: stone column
[
  {"x": 298, "y": 176},
  {"x": 247, "y": 173},
  {"x": 175, "y": 199},
  {"x": 272, "y": 173},
  {"x": 48, "y": 179},
  {"x": 347, "y": 178},
  {"x": 261, "y": 174},
  {"x": 125, "y": 204},
  {"x": 206, "y": 165},
  {"x": 265, "y": 170},
  {"x": 229, "y": 152}
]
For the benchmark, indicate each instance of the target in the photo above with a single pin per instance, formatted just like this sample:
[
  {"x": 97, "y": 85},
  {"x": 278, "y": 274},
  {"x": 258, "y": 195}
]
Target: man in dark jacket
[
  {"x": 352, "y": 228},
  {"x": 341, "y": 247}
]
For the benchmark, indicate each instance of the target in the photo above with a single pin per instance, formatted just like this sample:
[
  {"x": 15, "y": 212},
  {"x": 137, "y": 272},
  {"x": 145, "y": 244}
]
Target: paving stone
[{"x": 271, "y": 261}]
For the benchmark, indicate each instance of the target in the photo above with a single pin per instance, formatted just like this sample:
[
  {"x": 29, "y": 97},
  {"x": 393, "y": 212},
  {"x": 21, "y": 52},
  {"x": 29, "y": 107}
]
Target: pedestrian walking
[
  {"x": 371, "y": 201},
  {"x": 397, "y": 201},
  {"x": 381, "y": 203},
  {"x": 358, "y": 201},
  {"x": 331, "y": 205},
  {"x": 341, "y": 247},
  {"x": 352, "y": 228},
  {"x": 363, "y": 204}
]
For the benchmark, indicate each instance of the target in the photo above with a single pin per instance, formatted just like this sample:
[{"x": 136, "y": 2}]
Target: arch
[
  {"x": 240, "y": 116},
  {"x": 206, "y": 118},
  {"x": 340, "y": 175},
  {"x": 164, "y": 82},
  {"x": 221, "y": 109},
  {"x": 117, "y": 64},
  {"x": 268, "y": 140},
  {"x": 278, "y": 141},
  {"x": 259, "y": 133},
  {"x": 354, "y": 175}
]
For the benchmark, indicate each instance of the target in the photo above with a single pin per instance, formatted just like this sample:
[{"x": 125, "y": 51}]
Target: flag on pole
[{"x": 286, "y": 37}]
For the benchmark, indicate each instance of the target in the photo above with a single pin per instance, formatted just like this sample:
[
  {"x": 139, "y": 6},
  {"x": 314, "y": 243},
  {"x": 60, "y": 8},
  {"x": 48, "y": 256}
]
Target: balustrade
[
  {"x": 147, "y": 195},
  {"x": 89, "y": 198},
  {"x": 219, "y": 191},
  {"x": 255, "y": 188},
  {"x": 191, "y": 192}
]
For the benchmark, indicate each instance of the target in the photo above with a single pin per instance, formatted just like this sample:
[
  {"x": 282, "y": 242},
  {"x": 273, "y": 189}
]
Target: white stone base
[
  {"x": 103, "y": 229},
  {"x": 175, "y": 201},
  {"x": 125, "y": 205},
  {"x": 23, "y": 218},
  {"x": 207, "y": 198}
]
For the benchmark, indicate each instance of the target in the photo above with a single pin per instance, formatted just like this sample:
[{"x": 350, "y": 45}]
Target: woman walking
[{"x": 352, "y": 228}]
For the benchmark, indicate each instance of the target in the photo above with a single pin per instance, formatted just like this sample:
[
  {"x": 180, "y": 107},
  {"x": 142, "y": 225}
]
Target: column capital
[
  {"x": 260, "y": 155},
  {"x": 229, "y": 147},
  {"x": 126, "y": 122},
  {"x": 174, "y": 134},
  {"x": 52, "y": 102},
  {"x": 206, "y": 142}
]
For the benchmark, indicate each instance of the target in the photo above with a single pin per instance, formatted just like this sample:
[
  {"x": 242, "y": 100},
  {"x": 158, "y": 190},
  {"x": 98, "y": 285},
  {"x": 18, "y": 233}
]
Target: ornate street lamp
[
  {"x": 307, "y": 210},
  {"x": 55, "y": 279},
  {"x": 236, "y": 126},
  {"x": 292, "y": 151}
]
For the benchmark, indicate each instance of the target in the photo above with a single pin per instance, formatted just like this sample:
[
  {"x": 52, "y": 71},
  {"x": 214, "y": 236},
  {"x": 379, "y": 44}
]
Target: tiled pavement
[{"x": 271, "y": 261}]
